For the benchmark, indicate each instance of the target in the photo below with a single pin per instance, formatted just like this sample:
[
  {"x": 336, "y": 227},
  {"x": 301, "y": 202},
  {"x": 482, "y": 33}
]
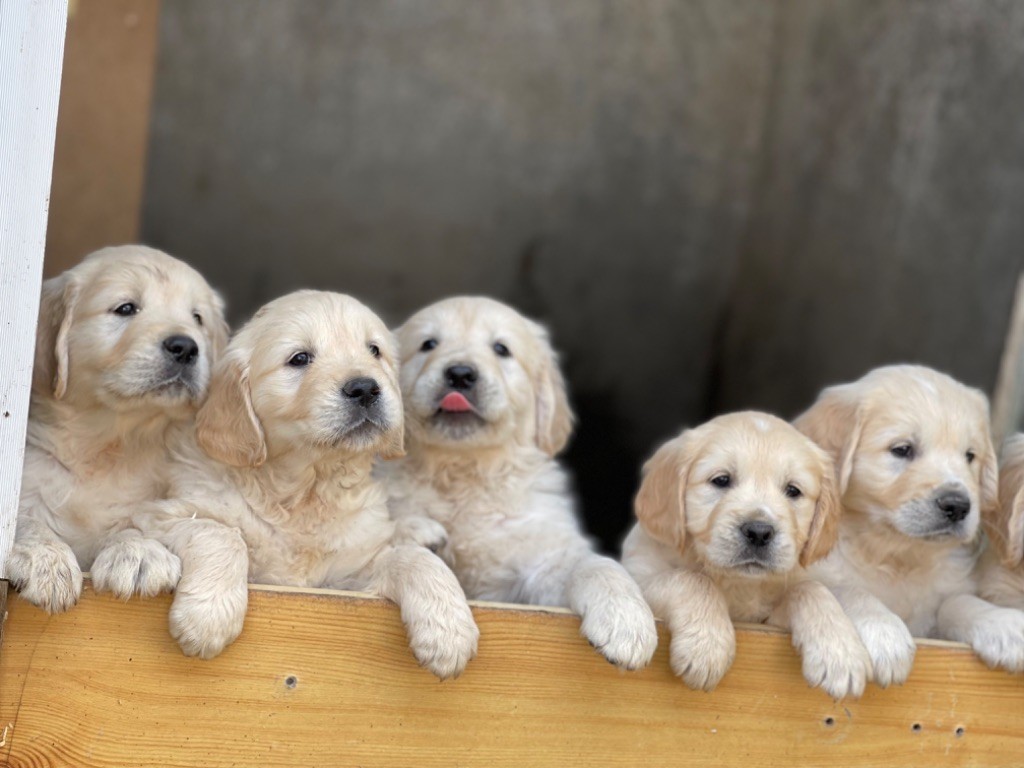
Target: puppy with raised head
[
  {"x": 124, "y": 349},
  {"x": 917, "y": 471},
  {"x": 730, "y": 513},
  {"x": 1001, "y": 570},
  {"x": 486, "y": 413},
  {"x": 277, "y": 487}
]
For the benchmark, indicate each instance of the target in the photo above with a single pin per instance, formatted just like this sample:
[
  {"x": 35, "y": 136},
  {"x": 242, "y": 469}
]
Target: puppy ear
[
  {"x": 1005, "y": 523},
  {"x": 56, "y": 313},
  {"x": 227, "y": 427},
  {"x": 554, "y": 415},
  {"x": 834, "y": 422},
  {"x": 219, "y": 329},
  {"x": 824, "y": 530},
  {"x": 660, "y": 504}
]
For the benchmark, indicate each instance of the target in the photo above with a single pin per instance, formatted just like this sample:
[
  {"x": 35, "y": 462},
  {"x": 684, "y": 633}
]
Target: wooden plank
[
  {"x": 103, "y": 128},
  {"x": 31, "y": 45},
  {"x": 323, "y": 678},
  {"x": 1008, "y": 398}
]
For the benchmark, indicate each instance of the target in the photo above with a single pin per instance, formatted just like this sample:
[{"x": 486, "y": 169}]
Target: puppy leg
[
  {"x": 442, "y": 634},
  {"x": 887, "y": 639},
  {"x": 616, "y": 619},
  {"x": 703, "y": 638},
  {"x": 996, "y": 634},
  {"x": 834, "y": 658},
  {"x": 420, "y": 531},
  {"x": 130, "y": 564},
  {"x": 43, "y": 568}
]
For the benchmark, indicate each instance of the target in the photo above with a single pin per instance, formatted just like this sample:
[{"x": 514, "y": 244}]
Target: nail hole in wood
[
  {"x": 916, "y": 727},
  {"x": 829, "y": 722},
  {"x": 291, "y": 681},
  {"x": 959, "y": 731}
]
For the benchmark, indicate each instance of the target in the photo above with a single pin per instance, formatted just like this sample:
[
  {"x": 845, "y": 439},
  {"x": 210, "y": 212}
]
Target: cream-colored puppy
[
  {"x": 123, "y": 358},
  {"x": 729, "y": 515},
  {"x": 486, "y": 412},
  {"x": 1001, "y": 570},
  {"x": 916, "y": 471},
  {"x": 279, "y": 491}
]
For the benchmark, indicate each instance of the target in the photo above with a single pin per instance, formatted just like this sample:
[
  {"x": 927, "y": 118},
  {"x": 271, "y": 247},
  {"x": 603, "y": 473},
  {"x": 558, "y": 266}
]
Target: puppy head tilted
[
  {"x": 746, "y": 491},
  {"x": 477, "y": 374},
  {"x": 312, "y": 371},
  {"x": 128, "y": 328},
  {"x": 913, "y": 449},
  {"x": 1005, "y": 526}
]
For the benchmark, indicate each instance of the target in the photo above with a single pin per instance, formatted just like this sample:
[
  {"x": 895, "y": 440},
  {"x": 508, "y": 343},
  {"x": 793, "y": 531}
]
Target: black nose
[
  {"x": 363, "y": 389},
  {"x": 758, "y": 534},
  {"x": 182, "y": 349},
  {"x": 955, "y": 506},
  {"x": 460, "y": 376}
]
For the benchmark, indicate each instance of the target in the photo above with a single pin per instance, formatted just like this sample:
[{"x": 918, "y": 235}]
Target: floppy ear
[
  {"x": 1005, "y": 523},
  {"x": 227, "y": 427},
  {"x": 56, "y": 312},
  {"x": 660, "y": 504},
  {"x": 219, "y": 330},
  {"x": 554, "y": 415},
  {"x": 834, "y": 422},
  {"x": 824, "y": 530}
]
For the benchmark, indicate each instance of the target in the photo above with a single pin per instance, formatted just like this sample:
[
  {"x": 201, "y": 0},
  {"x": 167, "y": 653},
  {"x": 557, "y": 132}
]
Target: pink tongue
[{"x": 455, "y": 402}]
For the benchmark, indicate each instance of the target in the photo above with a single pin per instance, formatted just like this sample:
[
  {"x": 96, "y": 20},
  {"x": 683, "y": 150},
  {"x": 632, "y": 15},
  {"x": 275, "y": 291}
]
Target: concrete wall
[{"x": 712, "y": 204}]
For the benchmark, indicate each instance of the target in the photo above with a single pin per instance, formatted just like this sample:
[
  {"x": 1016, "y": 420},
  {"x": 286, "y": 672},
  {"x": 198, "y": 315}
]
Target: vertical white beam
[{"x": 31, "y": 54}]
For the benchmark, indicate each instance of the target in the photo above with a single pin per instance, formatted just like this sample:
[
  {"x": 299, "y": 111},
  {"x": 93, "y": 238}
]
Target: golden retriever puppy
[
  {"x": 486, "y": 412},
  {"x": 277, "y": 486},
  {"x": 1001, "y": 575},
  {"x": 730, "y": 514},
  {"x": 916, "y": 471},
  {"x": 123, "y": 357}
]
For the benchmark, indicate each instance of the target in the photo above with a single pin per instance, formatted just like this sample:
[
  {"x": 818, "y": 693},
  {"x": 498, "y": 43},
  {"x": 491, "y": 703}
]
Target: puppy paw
[
  {"x": 46, "y": 574},
  {"x": 622, "y": 629},
  {"x": 891, "y": 648},
  {"x": 444, "y": 641},
  {"x": 701, "y": 655},
  {"x": 838, "y": 664},
  {"x": 421, "y": 532},
  {"x": 998, "y": 639},
  {"x": 205, "y": 622},
  {"x": 135, "y": 566}
]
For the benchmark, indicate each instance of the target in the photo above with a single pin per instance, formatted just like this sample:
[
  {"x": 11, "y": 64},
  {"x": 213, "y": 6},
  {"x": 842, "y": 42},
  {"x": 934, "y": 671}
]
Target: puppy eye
[
  {"x": 903, "y": 451},
  {"x": 198, "y": 318},
  {"x": 127, "y": 309},
  {"x": 970, "y": 457},
  {"x": 793, "y": 492},
  {"x": 501, "y": 350},
  {"x": 300, "y": 359},
  {"x": 374, "y": 349},
  {"x": 428, "y": 345},
  {"x": 721, "y": 481}
]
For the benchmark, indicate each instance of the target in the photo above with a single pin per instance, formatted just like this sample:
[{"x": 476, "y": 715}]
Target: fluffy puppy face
[
  {"x": 1005, "y": 525},
  {"x": 746, "y": 491},
  {"x": 312, "y": 371},
  {"x": 913, "y": 449},
  {"x": 130, "y": 327},
  {"x": 475, "y": 373}
]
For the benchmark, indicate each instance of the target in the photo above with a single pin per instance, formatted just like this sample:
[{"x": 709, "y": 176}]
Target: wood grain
[{"x": 324, "y": 678}]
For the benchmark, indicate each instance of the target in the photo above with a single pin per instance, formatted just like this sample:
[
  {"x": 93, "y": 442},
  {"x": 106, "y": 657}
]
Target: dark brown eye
[
  {"x": 793, "y": 492},
  {"x": 428, "y": 345},
  {"x": 501, "y": 350},
  {"x": 300, "y": 359},
  {"x": 721, "y": 481},
  {"x": 903, "y": 451},
  {"x": 198, "y": 318},
  {"x": 970, "y": 457},
  {"x": 374, "y": 349},
  {"x": 127, "y": 309}
]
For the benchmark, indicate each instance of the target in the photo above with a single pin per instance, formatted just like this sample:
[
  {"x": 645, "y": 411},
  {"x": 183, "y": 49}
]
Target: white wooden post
[{"x": 31, "y": 55}]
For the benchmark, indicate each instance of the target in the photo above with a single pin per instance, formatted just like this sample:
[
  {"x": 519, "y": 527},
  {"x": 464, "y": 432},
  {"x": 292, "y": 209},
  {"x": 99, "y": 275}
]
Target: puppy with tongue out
[{"x": 486, "y": 412}]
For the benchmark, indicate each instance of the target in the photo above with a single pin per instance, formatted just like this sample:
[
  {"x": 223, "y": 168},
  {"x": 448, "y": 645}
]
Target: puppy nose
[
  {"x": 758, "y": 534},
  {"x": 460, "y": 376},
  {"x": 955, "y": 506},
  {"x": 363, "y": 389},
  {"x": 182, "y": 349}
]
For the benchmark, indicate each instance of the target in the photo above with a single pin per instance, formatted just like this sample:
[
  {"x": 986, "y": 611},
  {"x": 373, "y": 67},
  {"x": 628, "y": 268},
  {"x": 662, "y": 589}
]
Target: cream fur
[
  {"x": 101, "y": 419},
  {"x": 289, "y": 498},
  {"x": 899, "y": 569},
  {"x": 507, "y": 523},
  {"x": 689, "y": 554},
  {"x": 1001, "y": 570}
]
